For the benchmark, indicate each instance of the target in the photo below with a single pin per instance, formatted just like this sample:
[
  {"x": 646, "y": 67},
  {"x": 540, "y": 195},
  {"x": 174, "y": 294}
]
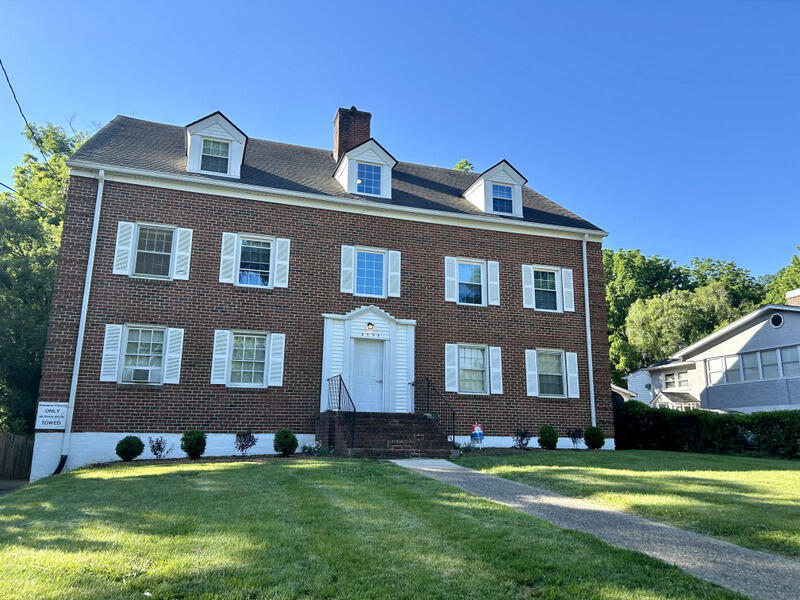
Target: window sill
[
  {"x": 254, "y": 287},
  {"x": 129, "y": 384},
  {"x": 473, "y": 393},
  {"x": 470, "y": 304},
  {"x": 546, "y": 397},
  {"x": 150, "y": 277},
  {"x": 548, "y": 310},
  {"x": 374, "y": 297}
]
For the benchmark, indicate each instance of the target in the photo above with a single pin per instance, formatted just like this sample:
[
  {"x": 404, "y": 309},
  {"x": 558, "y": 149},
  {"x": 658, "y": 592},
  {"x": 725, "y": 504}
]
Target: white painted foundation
[
  {"x": 95, "y": 447},
  {"x": 506, "y": 441}
]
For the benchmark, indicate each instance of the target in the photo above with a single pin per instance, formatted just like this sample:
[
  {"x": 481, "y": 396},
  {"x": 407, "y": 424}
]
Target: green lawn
[
  {"x": 753, "y": 502},
  {"x": 300, "y": 529}
]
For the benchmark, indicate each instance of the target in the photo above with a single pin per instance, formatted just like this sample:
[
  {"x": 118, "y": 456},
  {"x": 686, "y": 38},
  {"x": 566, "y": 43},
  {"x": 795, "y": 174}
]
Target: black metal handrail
[
  {"x": 339, "y": 400},
  {"x": 431, "y": 402}
]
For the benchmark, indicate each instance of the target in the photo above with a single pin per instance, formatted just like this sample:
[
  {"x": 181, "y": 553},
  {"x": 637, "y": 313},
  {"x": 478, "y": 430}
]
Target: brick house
[{"x": 212, "y": 281}]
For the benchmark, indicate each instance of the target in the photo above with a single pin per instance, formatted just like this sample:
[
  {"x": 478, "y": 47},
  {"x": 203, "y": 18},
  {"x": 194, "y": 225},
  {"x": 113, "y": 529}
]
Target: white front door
[{"x": 367, "y": 389}]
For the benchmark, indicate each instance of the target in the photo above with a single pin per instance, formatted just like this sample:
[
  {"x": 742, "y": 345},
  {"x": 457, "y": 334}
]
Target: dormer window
[
  {"x": 369, "y": 179},
  {"x": 215, "y": 156},
  {"x": 214, "y": 145},
  {"x": 498, "y": 191},
  {"x": 502, "y": 198}
]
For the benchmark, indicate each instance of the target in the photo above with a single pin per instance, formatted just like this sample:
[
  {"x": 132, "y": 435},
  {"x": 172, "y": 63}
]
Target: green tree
[
  {"x": 785, "y": 280},
  {"x": 463, "y": 165},
  {"x": 30, "y": 234},
  {"x": 743, "y": 289},
  {"x": 659, "y": 326}
]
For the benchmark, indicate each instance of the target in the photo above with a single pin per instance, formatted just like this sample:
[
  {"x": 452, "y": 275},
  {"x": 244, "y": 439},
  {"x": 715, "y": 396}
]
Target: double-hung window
[
  {"x": 790, "y": 361},
  {"x": 247, "y": 359},
  {"x": 545, "y": 290},
  {"x": 368, "y": 179},
  {"x": 669, "y": 380},
  {"x": 152, "y": 251},
  {"x": 750, "y": 366},
  {"x": 473, "y": 376},
  {"x": 770, "y": 369},
  {"x": 550, "y": 365},
  {"x": 683, "y": 379},
  {"x": 250, "y": 260},
  {"x": 502, "y": 199},
  {"x": 214, "y": 157},
  {"x": 370, "y": 273},
  {"x": 471, "y": 283},
  {"x": 143, "y": 354}
]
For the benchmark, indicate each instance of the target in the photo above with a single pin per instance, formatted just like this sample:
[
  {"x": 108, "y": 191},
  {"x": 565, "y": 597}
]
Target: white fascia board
[{"x": 215, "y": 187}]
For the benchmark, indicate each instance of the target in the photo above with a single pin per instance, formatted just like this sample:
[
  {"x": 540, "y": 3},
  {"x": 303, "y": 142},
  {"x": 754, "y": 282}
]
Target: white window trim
[
  {"x": 229, "y": 365},
  {"x": 559, "y": 292},
  {"x": 563, "y": 355},
  {"x": 371, "y": 164},
  {"x": 135, "y": 251},
  {"x": 486, "y": 368},
  {"x": 761, "y": 377},
  {"x": 484, "y": 282},
  {"x": 227, "y": 172},
  {"x": 385, "y": 284},
  {"x": 123, "y": 346},
  {"x": 490, "y": 207},
  {"x": 238, "y": 260}
]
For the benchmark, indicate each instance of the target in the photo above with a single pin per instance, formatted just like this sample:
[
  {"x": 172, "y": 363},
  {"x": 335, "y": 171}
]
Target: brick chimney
[
  {"x": 793, "y": 297},
  {"x": 350, "y": 128}
]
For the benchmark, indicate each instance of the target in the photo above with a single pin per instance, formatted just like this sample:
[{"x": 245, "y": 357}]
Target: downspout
[
  {"x": 73, "y": 386},
  {"x": 588, "y": 331}
]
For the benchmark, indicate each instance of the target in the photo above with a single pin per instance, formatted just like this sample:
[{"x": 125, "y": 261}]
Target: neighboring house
[
  {"x": 751, "y": 365},
  {"x": 231, "y": 278},
  {"x": 620, "y": 394}
]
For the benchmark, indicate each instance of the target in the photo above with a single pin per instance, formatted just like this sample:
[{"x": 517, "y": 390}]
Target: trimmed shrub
[
  {"x": 594, "y": 438},
  {"x": 244, "y": 441},
  {"x": 522, "y": 438},
  {"x": 129, "y": 447},
  {"x": 315, "y": 449},
  {"x": 193, "y": 442},
  {"x": 774, "y": 433},
  {"x": 548, "y": 438},
  {"x": 285, "y": 442}
]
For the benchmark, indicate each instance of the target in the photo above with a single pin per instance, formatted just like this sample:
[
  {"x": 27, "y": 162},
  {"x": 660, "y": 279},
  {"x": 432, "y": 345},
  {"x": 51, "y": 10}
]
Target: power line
[
  {"x": 38, "y": 205},
  {"x": 34, "y": 135}
]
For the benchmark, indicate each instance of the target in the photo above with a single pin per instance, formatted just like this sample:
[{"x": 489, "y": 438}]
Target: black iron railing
[
  {"x": 429, "y": 401},
  {"x": 339, "y": 400}
]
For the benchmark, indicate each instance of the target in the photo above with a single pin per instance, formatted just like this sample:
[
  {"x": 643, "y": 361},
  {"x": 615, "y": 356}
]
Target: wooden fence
[{"x": 16, "y": 452}]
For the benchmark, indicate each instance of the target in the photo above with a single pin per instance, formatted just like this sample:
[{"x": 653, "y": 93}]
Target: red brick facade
[{"x": 202, "y": 304}]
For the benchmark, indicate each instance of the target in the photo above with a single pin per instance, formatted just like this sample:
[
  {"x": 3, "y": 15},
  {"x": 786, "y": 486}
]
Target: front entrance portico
[{"x": 374, "y": 354}]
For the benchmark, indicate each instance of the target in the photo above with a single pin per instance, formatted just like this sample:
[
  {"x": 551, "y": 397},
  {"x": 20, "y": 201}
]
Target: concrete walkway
[{"x": 756, "y": 574}]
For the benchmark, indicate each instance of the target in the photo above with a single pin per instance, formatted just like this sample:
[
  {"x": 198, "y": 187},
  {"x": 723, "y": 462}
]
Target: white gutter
[
  {"x": 208, "y": 186},
  {"x": 588, "y": 332},
  {"x": 76, "y": 365}
]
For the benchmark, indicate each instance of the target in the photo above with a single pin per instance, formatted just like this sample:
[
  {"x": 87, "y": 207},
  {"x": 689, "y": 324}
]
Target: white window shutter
[
  {"x": 347, "y": 281},
  {"x": 111, "y": 348},
  {"x": 527, "y": 287},
  {"x": 451, "y": 367},
  {"x": 495, "y": 370},
  {"x": 227, "y": 259},
  {"x": 450, "y": 279},
  {"x": 277, "y": 343},
  {"x": 531, "y": 373},
  {"x": 493, "y": 283},
  {"x": 183, "y": 253},
  {"x": 173, "y": 352},
  {"x": 394, "y": 274},
  {"x": 219, "y": 360},
  {"x": 282, "y": 251},
  {"x": 568, "y": 290},
  {"x": 573, "y": 391},
  {"x": 124, "y": 249}
]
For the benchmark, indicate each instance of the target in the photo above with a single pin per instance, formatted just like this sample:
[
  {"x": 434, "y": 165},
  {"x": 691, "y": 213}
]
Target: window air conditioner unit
[
  {"x": 647, "y": 386},
  {"x": 141, "y": 375}
]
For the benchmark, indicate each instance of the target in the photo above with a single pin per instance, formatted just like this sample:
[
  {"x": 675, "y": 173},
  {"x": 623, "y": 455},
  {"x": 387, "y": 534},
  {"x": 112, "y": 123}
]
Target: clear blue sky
[{"x": 673, "y": 125}]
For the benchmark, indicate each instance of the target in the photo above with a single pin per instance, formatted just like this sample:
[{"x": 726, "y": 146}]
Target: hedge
[{"x": 775, "y": 433}]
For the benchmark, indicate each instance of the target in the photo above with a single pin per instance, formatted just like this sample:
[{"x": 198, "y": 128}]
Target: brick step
[{"x": 398, "y": 453}]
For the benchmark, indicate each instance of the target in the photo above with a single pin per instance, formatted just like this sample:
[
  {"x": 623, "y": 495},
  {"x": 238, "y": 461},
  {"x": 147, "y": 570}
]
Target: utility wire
[
  {"x": 34, "y": 135},
  {"x": 38, "y": 205}
]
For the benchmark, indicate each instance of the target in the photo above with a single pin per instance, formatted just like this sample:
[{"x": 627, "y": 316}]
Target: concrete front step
[{"x": 398, "y": 453}]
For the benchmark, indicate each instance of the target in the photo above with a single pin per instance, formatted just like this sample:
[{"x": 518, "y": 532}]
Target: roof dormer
[
  {"x": 363, "y": 166},
  {"x": 214, "y": 145},
  {"x": 498, "y": 190}
]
